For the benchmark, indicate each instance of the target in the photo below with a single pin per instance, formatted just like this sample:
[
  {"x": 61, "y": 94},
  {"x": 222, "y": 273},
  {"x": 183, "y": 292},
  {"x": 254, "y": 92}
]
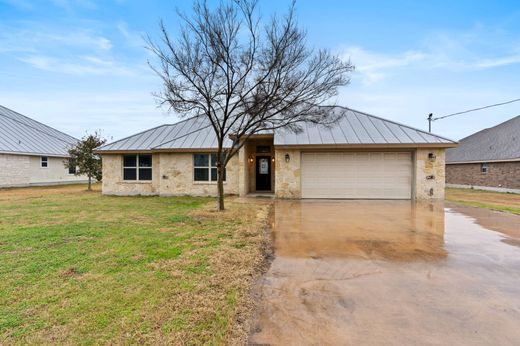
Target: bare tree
[{"x": 243, "y": 76}]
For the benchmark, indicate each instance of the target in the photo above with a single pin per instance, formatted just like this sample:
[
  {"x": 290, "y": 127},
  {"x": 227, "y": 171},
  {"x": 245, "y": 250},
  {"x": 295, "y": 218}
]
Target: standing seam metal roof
[
  {"x": 353, "y": 127},
  {"x": 22, "y": 135}
]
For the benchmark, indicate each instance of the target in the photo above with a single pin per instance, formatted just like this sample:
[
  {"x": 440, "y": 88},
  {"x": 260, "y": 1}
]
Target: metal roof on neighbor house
[
  {"x": 353, "y": 128},
  {"x": 501, "y": 142},
  {"x": 22, "y": 135}
]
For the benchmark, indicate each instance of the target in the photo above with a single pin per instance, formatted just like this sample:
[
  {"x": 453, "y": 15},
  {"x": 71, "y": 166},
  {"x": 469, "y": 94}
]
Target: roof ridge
[
  {"x": 394, "y": 122},
  {"x": 150, "y": 129},
  {"x": 492, "y": 127},
  {"x": 35, "y": 128}
]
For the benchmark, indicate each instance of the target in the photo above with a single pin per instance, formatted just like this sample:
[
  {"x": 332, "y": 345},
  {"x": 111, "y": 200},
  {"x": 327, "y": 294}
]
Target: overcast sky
[{"x": 80, "y": 65}]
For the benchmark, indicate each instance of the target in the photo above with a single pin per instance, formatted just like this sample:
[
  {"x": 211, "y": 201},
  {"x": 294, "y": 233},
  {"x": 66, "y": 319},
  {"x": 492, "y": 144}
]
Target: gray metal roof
[
  {"x": 501, "y": 142},
  {"x": 354, "y": 127},
  {"x": 22, "y": 135}
]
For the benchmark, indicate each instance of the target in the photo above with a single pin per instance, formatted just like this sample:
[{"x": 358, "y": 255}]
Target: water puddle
[{"x": 390, "y": 272}]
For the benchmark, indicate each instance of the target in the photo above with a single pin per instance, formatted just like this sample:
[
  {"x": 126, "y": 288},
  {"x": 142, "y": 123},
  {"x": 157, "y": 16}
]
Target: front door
[{"x": 263, "y": 173}]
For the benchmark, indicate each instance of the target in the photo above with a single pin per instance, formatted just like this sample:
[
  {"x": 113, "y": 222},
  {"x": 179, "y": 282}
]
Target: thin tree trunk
[
  {"x": 220, "y": 184},
  {"x": 89, "y": 183}
]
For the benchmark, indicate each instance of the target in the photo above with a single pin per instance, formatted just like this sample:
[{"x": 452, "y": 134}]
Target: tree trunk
[
  {"x": 220, "y": 185},
  {"x": 89, "y": 183}
]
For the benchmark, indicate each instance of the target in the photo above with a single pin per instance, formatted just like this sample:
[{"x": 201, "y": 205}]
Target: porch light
[
  {"x": 251, "y": 159},
  {"x": 272, "y": 159},
  {"x": 287, "y": 158},
  {"x": 432, "y": 157}
]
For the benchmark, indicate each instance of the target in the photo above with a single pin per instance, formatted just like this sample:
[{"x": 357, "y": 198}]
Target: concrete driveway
[{"x": 390, "y": 273}]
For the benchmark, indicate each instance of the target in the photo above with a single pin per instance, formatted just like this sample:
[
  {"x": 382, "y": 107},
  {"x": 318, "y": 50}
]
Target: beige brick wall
[
  {"x": 113, "y": 183},
  {"x": 287, "y": 174},
  {"x": 172, "y": 175},
  {"x": 424, "y": 168},
  {"x": 14, "y": 170},
  {"x": 176, "y": 172},
  {"x": 23, "y": 170}
]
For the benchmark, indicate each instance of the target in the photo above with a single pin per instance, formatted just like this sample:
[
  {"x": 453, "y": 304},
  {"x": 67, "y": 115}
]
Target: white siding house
[{"x": 32, "y": 153}]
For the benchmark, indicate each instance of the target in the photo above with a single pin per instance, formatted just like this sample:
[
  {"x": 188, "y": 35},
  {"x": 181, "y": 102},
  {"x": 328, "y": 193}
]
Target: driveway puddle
[{"x": 390, "y": 272}]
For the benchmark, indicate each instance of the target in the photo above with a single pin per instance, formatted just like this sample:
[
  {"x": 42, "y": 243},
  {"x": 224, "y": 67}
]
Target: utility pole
[{"x": 430, "y": 122}]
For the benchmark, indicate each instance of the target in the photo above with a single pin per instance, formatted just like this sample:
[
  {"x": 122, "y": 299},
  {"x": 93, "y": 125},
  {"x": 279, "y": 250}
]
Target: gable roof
[
  {"x": 353, "y": 128},
  {"x": 22, "y": 135},
  {"x": 498, "y": 143},
  {"x": 358, "y": 128}
]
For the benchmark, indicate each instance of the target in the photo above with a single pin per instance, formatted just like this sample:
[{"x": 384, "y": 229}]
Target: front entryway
[{"x": 263, "y": 173}]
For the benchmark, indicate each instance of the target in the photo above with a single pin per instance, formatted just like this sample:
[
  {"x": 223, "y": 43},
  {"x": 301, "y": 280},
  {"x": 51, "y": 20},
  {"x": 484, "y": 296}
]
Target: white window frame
[
  {"x": 137, "y": 168},
  {"x": 209, "y": 167},
  {"x": 484, "y": 168},
  {"x": 46, "y": 161}
]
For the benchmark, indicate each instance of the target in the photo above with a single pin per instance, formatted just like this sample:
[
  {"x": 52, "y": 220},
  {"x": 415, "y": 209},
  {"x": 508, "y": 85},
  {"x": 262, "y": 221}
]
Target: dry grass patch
[
  {"x": 81, "y": 268},
  {"x": 507, "y": 202}
]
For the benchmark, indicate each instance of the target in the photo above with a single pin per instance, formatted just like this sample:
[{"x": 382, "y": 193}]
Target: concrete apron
[{"x": 390, "y": 273}]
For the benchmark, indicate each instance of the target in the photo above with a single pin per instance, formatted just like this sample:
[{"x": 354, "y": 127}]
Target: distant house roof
[
  {"x": 498, "y": 143},
  {"x": 353, "y": 128},
  {"x": 22, "y": 135}
]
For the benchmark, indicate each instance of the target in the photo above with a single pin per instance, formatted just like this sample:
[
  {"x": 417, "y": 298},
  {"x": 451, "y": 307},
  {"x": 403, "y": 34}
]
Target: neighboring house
[
  {"x": 488, "y": 159},
  {"x": 362, "y": 156},
  {"x": 32, "y": 153}
]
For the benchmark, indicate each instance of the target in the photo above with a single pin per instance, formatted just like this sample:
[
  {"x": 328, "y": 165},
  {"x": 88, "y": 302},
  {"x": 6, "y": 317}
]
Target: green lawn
[
  {"x": 506, "y": 202},
  {"x": 80, "y": 268}
]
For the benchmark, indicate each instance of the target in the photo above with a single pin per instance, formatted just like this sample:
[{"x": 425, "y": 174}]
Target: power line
[{"x": 475, "y": 109}]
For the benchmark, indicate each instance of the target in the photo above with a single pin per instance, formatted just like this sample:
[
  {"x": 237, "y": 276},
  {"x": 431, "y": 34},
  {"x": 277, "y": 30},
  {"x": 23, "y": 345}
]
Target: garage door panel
[{"x": 375, "y": 175}]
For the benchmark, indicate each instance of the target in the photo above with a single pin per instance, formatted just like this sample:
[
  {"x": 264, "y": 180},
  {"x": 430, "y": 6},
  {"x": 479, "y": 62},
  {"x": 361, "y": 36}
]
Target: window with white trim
[
  {"x": 44, "y": 162},
  {"x": 137, "y": 167},
  {"x": 205, "y": 167},
  {"x": 483, "y": 168}
]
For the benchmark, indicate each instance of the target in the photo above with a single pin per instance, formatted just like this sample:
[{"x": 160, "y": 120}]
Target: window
[
  {"x": 263, "y": 149},
  {"x": 483, "y": 168},
  {"x": 72, "y": 166},
  {"x": 44, "y": 162},
  {"x": 137, "y": 167},
  {"x": 205, "y": 167}
]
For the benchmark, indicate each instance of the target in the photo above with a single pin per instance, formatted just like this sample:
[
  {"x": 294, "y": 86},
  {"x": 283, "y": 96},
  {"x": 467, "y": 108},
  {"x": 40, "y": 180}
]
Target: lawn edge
[{"x": 245, "y": 315}]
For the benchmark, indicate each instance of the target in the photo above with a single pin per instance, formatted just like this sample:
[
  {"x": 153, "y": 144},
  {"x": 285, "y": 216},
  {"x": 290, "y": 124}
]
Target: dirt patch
[{"x": 70, "y": 273}]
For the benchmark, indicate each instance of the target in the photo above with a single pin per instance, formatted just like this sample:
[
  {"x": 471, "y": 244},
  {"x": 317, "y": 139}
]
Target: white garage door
[{"x": 378, "y": 175}]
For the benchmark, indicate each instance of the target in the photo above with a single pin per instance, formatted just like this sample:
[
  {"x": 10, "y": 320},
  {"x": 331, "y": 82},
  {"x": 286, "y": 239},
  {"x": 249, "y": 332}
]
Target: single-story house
[
  {"x": 360, "y": 157},
  {"x": 488, "y": 159},
  {"x": 32, "y": 153}
]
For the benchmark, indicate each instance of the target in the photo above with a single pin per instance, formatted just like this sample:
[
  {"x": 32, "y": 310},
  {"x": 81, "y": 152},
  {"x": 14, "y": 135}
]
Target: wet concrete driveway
[{"x": 390, "y": 273}]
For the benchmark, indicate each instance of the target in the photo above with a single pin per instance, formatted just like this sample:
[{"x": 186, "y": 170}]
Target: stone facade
[
  {"x": 429, "y": 175},
  {"x": 288, "y": 174},
  {"x": 499, "y": 175},
  {"x": 172, "y": 175},
  {"x": 25, "y": 170}
]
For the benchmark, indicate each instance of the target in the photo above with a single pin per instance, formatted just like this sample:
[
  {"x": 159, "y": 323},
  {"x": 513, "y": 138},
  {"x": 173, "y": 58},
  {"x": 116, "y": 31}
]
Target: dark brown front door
[{"x": 263, "y": 173}]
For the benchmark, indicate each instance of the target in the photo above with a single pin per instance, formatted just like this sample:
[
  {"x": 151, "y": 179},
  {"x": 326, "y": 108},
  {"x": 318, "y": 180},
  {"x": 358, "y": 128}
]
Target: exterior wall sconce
[
  {"x": 251, "y": 159},
  {"x": 287, "y": 158},
  {"x": 272, "y": 159},
  {"x": 432, "y": 157}
]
